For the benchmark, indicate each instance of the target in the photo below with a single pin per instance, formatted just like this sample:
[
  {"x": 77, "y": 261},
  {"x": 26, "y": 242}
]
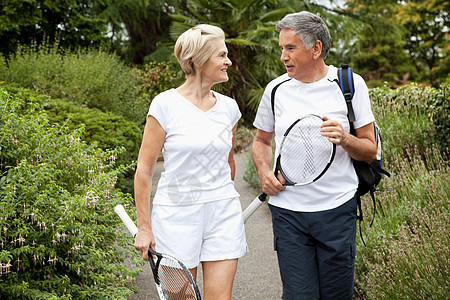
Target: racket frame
[
  {"x": 278, "y": 167},
  {"x": 132, "y": 228},
  {"x": 259, "y": 200},
  {"x": 155, "y": 266}
]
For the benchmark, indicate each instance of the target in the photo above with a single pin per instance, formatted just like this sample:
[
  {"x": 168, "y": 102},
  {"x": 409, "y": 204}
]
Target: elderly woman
[{"x": 196, "y": 214}]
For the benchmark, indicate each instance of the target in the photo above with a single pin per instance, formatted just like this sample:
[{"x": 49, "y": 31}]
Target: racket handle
[
  {"x": 120, "y": 210},
  {"x": 254, "y": 206}
]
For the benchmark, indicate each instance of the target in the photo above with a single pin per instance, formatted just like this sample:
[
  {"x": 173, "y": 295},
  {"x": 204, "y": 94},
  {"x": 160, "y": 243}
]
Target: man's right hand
[
  {"x": 270, "y": 184},
  {"x": 262, "y": 157}
]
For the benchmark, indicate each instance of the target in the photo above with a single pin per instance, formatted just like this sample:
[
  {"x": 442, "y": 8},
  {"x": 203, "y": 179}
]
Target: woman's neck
[{"x": 197, "y": 93}]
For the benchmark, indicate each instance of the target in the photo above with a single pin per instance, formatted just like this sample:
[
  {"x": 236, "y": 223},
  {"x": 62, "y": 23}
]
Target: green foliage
[
  {"x": 138, "y": 26},
  {"x": 403, "y": 116},
  {"x": 406, "y": 252},
  {"x": 162, "y": 54},
  {"x": 376, "y": 55},
  {"x": 3, "y": 66},
  {"x": 59, "y": 238},
  {"x": 154, "y": 78},
  {"x": 417, "y": 118},
  {"x": 251, "y": 175},
  {"x": 92, "y": 78},
  {"x": 244, "y": 140},
  {"x": 74, "y": 23},
  {"x": 427, "y": 38},
  {"x": 104, "y": 129},
  {"x": 439, "y": 108},
  {"x": 415, "y": 49}
]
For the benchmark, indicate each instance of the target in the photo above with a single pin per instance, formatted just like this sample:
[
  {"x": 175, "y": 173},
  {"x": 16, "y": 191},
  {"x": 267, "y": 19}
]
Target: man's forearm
[
  {"x": 362, "y": 146},
  {"x": 262, "y": 156}
]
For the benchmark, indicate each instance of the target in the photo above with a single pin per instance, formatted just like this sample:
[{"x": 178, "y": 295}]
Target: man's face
[{"x": 298, "y": 60}]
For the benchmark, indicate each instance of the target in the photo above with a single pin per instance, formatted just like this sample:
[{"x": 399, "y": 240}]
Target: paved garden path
[{"x": 257, "y": 277}]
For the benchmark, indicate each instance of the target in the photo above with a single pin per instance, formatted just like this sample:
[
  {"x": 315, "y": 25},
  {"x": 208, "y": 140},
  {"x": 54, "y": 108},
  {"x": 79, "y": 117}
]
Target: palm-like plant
[
  {"x": 249, "y": 26},
  {"x": 136, "y": 26}
]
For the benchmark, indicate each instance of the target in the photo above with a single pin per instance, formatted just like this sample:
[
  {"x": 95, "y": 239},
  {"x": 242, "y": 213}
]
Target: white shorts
[{"x": 210, "y": 231}]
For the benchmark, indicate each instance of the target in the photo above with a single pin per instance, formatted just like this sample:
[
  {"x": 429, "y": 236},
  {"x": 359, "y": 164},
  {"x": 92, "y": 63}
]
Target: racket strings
[
  {"x": 309, "y": 152},
  {"x": 174, "y": 281},
  {"x": 305, "y": 153}
]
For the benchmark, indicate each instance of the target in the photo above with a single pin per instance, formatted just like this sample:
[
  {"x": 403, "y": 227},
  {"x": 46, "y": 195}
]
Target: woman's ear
[{"x": 196, "y": 66}]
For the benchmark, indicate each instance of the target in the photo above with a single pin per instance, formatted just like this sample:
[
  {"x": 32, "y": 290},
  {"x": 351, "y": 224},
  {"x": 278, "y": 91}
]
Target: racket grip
[
  {"x": 120, "y": 210},
  {"x": 254, "y": 206}
]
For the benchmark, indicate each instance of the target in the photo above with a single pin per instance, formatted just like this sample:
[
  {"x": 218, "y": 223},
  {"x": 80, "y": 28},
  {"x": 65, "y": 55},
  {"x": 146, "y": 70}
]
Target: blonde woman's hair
[{"x": 193, "y": 47}]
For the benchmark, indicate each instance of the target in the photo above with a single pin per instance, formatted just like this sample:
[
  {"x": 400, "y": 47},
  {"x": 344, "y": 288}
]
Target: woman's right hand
[{"x": 143, "y": 240}]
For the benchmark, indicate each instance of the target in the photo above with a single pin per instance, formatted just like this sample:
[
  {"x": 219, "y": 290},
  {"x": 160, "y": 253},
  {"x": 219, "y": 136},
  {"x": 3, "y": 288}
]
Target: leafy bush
[
  {"x": 406, "y": 252},
  {"x": 161, "y": 54},
  {"x": 250, "y": 175},
  {"x": 404, "y": 119},
  {"x": 59, "y": 236},
  {"x": 439, "y": 111},
  {"x": 3, "y": 67},
  {"x": 105, "y": 129},
  {"x": 154, "y": 78},
  {"x": 92, "y": 77},
  {"x": 244, "y": 138}
]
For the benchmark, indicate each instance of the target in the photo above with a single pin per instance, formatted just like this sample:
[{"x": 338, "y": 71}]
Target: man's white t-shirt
[
  {"x": 196, "y": 149},
  {"x": 293, "y": 99}
]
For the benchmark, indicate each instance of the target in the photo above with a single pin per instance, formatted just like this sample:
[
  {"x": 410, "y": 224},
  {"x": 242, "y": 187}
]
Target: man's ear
[{"x": 317, "y": 49}]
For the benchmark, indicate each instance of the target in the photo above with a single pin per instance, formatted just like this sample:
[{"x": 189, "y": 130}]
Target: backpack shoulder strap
[
  {"x": 345, "y": 82},
  {"x": 345, "y": 77},
  {"x": 272, "y": 96}
]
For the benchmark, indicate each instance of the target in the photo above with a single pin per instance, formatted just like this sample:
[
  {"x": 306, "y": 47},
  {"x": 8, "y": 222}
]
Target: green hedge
[
  {"x": 155, "y": 78},
  {"x": 92, "y": 78},
  {"x": 406, "y": 252},
  {"x": 59, "y": 237},
  {"x": 104, "y": 129}
]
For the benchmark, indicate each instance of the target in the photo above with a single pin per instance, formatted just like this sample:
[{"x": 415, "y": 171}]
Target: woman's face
[{"x": 216, "y": 66}]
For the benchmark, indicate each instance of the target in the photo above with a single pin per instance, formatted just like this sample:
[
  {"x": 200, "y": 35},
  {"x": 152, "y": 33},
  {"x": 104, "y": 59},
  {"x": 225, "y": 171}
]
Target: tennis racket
[
  {"x": 305, "y": 155},
  {"x": 172, "y": 278}
]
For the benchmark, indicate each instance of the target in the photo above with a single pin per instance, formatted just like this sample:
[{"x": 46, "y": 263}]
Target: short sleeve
[
  {"x": 158, "y": 110},
  {"x": 361, "y": 103},
  {"x": 236, "y": 114},
  {"x": 231, "y": 108}
]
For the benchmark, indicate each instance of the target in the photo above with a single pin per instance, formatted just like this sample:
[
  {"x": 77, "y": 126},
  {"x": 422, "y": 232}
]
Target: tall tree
[
  {"x": 138, "y": 25},
  {"x": 378, "y": 50},
  {"x": 427, "y": 23},
  {"x": 73, "y": 22}
]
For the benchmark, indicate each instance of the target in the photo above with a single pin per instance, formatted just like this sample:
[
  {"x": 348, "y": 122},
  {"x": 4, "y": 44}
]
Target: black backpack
[{"x": 369, "y": 174}]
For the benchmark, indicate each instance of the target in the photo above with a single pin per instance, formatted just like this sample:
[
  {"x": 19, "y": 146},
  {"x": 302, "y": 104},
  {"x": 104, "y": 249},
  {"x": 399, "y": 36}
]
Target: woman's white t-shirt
[
  {"x": 196, "y": 149},
  {"x": 324, "y": 98}
]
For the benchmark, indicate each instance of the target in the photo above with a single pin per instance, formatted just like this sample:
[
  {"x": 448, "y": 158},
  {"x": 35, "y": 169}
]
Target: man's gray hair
[{"x": 310, "y": 27}]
